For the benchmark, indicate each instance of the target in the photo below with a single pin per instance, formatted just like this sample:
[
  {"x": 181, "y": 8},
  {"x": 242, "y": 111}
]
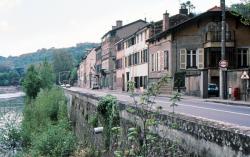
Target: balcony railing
[{"x": 215, "y": 36}]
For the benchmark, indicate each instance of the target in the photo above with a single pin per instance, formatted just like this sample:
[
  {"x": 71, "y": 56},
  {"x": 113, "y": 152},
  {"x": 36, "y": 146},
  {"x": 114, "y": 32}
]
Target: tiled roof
[{"x": 116, "y": 29}]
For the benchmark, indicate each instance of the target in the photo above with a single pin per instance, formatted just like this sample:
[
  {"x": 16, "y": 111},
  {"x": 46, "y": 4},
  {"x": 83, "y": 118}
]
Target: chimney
[
  {"x": 165, "y": 21},
  {"x": 183, "y": 9},
  {"x": 118, "y": 23},
  {"x": 114, "y": 27}
]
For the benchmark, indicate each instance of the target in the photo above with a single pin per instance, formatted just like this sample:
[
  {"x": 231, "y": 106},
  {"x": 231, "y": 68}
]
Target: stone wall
[{"x": 201, "y": 137}]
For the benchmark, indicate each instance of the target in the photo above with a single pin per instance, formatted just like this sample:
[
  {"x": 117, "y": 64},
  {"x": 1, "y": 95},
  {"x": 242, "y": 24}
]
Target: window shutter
[
  {"x": 200, "y": 58},
  {"x": 183, "y": 58}
]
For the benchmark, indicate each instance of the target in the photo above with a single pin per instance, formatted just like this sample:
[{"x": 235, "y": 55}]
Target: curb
[{"x": 228, "y": 103}]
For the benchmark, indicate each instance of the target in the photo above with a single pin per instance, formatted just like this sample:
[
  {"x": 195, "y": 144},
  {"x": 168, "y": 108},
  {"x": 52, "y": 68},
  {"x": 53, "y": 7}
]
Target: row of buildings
[{"x": 186, "y": 48}]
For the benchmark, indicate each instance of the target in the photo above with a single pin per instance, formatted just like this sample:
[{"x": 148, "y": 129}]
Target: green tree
[
  {"x": 46, "y": 130},
  {"x": 32, "y": 82},
  {"x": 242, "y": 10},
  {"x": 47, "y": 75},
  {"x": 188, "y": 5},
  {"x": 62, "y": 61},
  {"x": 73, "y": 75}
]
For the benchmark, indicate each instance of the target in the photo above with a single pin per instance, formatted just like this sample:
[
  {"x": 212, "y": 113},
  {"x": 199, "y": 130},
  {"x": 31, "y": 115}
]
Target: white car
[{"x": 67, "y": 86}]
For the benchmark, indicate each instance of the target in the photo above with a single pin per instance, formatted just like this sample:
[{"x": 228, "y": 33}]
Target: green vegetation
[
  {"x": 46, "y": 73},
  {"x": 9, "y": 76},
  {"x": 109, "y": 116},
  {"x": 242, "y": 10},
  {"x": 138, "y": 136},
  {"x": 62, "y": 62},
  {"x": 32, "y": 82},
  {"x": 10, "y": 138},
  {"x": 45, "y": 128},
  {"x": 25, "y": 60}
]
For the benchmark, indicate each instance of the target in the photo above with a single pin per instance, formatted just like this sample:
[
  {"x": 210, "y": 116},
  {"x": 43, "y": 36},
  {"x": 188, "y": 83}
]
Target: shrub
[{"x": 45, "y": 128}]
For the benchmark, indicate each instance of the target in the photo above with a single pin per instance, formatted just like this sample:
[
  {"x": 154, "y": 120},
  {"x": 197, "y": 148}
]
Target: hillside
[{"x": 23, "y": 61}]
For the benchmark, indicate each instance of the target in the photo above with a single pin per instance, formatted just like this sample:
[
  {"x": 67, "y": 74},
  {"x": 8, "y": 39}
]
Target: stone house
[
  {"x": 120, "y": 66},
  {"x": 86, "y": 71},
  {"x": 161, "y": 57},
  {"x": 108, "y": 49},
  {"x": 98, "y": 65},
  {"x": 196, "y": 50}
]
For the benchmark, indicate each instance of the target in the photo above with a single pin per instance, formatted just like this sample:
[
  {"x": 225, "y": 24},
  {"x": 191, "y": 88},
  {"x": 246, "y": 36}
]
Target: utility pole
[{"x": 223, "y": 80}]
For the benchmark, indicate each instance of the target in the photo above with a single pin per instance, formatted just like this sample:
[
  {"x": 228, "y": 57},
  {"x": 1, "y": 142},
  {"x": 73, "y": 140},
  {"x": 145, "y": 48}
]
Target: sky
[{"x": 28, "y": 25}]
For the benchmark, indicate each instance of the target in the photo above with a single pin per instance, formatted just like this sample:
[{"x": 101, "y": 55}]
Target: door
[
  {"x": 127, "y": 77},
  {"x": 123, "y": 82}
]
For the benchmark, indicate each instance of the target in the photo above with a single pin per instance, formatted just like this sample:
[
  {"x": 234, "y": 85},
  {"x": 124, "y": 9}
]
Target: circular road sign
[{"x": 223, "y": 63}]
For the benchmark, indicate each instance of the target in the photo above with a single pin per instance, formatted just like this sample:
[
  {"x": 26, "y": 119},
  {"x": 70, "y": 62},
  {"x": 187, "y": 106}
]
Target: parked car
[
  {"x": 96, "y": 86},
  {"x": 68, "y": 85},
  {"x": 213, "y": 89}
]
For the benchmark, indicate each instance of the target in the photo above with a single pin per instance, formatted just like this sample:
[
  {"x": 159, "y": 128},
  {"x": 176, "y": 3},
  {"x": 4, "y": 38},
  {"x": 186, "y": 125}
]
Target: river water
[{"x": 11, "y": 106}]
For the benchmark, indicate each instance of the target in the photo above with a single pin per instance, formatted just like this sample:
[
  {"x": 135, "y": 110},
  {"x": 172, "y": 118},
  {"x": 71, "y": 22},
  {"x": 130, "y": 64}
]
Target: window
[
  {"x": 145, "y": 55},
  {"x": 242, "y": 58},
  {"x": 137, "y": 83},
  {"x": 98, "y": 68},
  {"x": 129, "y": 60},
  {"x": 157, "y": 63},
  {"x": 136, "y": 58},
  {"x": 120, "y": 46},
  {"x": 166, "y": 60},
  {"x": 141, "y": 81},
  {"x": 191, "y": 59},
  {"x": 119, "y": 64},
  {"x": 131, "y": 41},
  {"x": 145, "y": 82},
  {"x": 152, "y": 59}
]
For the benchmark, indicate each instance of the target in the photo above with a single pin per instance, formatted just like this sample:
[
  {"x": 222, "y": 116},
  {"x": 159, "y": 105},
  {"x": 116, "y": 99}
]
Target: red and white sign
[
  {"x": 244, "y": 76},
  {"x": 223, "y": 64}
]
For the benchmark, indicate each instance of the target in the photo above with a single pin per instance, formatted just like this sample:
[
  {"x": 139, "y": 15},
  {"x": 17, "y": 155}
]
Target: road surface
[{"x": 230, "y": 114}]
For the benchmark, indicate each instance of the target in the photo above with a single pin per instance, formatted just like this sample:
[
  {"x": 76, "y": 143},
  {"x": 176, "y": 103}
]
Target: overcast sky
[{"x": 28, "y": 25}]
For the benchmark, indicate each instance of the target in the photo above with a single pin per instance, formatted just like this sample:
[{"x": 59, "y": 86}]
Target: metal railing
[{"x": 215, "y": 36}]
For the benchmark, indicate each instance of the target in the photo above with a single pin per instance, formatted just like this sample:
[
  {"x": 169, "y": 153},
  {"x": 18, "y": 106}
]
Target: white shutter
[
  {"x": 183, "y": 58},
  {"x": 200, "y": 58}
]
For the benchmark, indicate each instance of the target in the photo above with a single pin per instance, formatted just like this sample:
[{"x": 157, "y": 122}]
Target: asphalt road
[{"x": 233, "y": 115}]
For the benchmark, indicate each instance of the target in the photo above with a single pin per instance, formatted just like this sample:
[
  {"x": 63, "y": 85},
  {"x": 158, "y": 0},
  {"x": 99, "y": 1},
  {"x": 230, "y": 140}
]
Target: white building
[{"x": 136, "y": 58}]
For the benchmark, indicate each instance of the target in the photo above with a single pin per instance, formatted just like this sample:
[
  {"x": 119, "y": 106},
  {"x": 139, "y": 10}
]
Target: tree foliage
[
  {"x": 47, "y": 75},
  {"x": 45, "y": 128},
  {"x": 242, "y": 10},
  {"x": 62, "y": 61},
  {"x": 25, "y": 60},
  {"x": 188, "y": 5},
  {"x": 9, "y": 75},
  {"x": 32, "y": 82}
]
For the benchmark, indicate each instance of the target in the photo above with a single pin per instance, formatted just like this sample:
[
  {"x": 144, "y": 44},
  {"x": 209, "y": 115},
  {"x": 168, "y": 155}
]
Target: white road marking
[{"x": 209, "y": 109}]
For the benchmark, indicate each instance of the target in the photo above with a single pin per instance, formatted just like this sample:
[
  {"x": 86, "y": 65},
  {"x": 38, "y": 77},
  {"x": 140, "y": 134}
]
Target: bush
[
  {"x": 56, "y": 141},
  {"x": 45, "y": 128}
]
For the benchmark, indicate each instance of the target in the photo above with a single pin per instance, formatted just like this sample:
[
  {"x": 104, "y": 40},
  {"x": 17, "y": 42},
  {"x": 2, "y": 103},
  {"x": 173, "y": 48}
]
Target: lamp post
[{"x": 223, "y": 81}]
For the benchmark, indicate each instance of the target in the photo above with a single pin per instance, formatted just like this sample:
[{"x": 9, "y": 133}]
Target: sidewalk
[{"x": 228, "y": 102}]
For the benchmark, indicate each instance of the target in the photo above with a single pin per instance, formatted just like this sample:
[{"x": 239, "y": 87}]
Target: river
[{"x": 11, "y": 107}]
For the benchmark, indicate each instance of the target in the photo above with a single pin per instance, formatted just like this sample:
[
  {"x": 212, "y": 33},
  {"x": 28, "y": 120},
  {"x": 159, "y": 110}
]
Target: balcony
[{"x": 213, "y": 39}]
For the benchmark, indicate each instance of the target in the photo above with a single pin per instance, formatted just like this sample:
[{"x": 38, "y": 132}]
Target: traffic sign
[
  {"x": 244, "y": 76},
  {"x": 223, "y": 64}
]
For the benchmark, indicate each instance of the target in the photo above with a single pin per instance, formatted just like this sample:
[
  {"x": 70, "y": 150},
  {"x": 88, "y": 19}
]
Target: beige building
[
  {"x": 108, "y": 50},
  {"x": 87, "y": 72}
]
